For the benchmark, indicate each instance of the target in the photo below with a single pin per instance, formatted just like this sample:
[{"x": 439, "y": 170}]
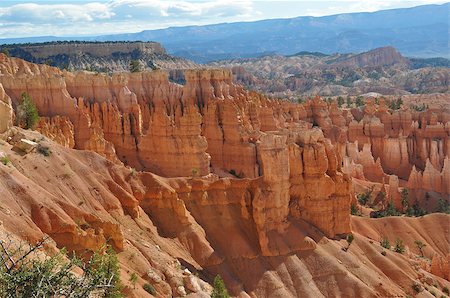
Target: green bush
[
  {"x": 44, "y": 150},
  {"x": 360, "y": 101},
  {"x": 446, "y": 290},
  {"x": 149, "y": 289},
  {"x": 350, "y": 239},
  {"x": 27, "y": 113},
  {"x": 395, "y": 104},
  {"x": 399, "y": 246},
  {"x": 5, "y": 160},
  {"x": 385, "y": 243},
  {"x": 364, "y": 198},
  {"x": 135, "y": 66},
  {"x": 219, "y": 290},
  {"x": 32, "y": 276},
  {"x": 354, "y": 210}
]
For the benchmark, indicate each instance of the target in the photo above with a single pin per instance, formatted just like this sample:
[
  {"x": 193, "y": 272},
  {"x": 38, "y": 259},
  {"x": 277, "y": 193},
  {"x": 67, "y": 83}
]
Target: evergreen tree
[
  {"x": 219, "y": 291},
  {"x": 27, "y": 113}
]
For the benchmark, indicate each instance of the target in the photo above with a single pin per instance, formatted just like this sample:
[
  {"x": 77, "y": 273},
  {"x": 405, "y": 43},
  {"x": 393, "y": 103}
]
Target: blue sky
[{"x": 94, "y": 17}]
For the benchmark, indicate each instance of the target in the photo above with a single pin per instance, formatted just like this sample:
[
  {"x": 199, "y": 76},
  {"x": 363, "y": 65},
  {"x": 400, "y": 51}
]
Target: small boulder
[{"x": 25, "y": 145}]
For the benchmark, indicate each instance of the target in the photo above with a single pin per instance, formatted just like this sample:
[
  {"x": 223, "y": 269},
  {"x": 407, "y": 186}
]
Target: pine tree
[
  {"x": 27, "y": 113},
  {"x": 219, "y": 291}
]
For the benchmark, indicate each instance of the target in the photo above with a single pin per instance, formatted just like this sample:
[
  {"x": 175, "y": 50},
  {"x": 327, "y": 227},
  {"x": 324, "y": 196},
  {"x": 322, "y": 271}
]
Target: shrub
[
  {"x": 133, "y": 279},
  {"x": 385, "y": 243},
  {"x": 219, "y": 290},
  {"x": 354, "y": 210},
  {"x": 359, "y": 101},
  {"x": 419, "y": 108},
  {"x": 27, "y": 113},
  {"x": 404, "y": 196},
  {"x": 415, "y": 210},
  {"x": 446, "y": 290},
  {"x": 383, "y": 253},
  {"x": 395, "y": 104},
  {"x": 443, "y": 206},
  {"x": 44, "y": 150},
  {"x": 340, "y": 101},
  {"x": 6, "y": 52},
  {"x": 390, "y": 210},
  {"x": 363, "y": 198},
  {"x": 399, "y": 246},
  {"x": 135, "y": 66},
  {"x": 350, "y": 239},
  {"x": 433, "y": 293},
  {"x": 5, "y": 160},
  {"x": 349, "y": 101},
  {"x": 32, "y": 276},
  {"x": 149, "y": 289}
]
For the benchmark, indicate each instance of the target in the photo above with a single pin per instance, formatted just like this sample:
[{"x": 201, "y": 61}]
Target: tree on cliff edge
[
  {"x": 27, "y": 113},
  {"x": 135, "y": 66},
  {"x": 219, "y": 291}
]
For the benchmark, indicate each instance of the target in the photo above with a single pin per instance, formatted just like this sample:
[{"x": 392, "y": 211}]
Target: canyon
[
  {"x": 383, "y": 70},
  {"x": 202, "y": 177}
]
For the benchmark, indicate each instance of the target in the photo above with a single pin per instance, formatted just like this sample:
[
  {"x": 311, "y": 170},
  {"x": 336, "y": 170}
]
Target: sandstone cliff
[{"x": 213, "y": 177}]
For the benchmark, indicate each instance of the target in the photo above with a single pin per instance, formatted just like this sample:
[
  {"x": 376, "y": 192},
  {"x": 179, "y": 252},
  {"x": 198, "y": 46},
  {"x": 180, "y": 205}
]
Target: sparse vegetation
[
  {"x": 395, "y": 104},
  {"x": 135, "y": 66},
  {"x": 194, "y": 172},
  {"x": 420, "y": 245},
  {"x": 24, "y": 274},
  {"x": 443, "y": 206},
  {"x": 149, "y": 289},
  {"x": 385, "y": 243},
  {"x": 219, "y": 290},
  {"x": 359, "y": 101},
  {"x": 364, "y": 198},
  {"x": 399, "y": 246},
  {"x": 27, "y": 113},
  {"x": 349, "y": 239},
  {"x": 446, "y": 290},
  {"x": 349, "y": 102},
  {"x": 133, "y": 279},
  {"x": 419, "y": 108},
  {"x": 388, "y": 211},
  {"x": 354, "y": 210},
  {"x": 4, "y": 159},
  {"x": 404, "y": 195},
  {"x": 44, "y": 150},
  {"x": 415, "y": 210},
  {"x": 5, "y": 51}
]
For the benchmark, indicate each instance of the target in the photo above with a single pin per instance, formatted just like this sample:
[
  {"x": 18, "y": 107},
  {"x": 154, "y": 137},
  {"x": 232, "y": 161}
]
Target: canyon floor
[{"x": 187, "y": 181}]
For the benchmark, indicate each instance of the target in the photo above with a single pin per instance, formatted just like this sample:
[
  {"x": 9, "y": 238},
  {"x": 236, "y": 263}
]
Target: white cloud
[{"x": 117, "y": 16}]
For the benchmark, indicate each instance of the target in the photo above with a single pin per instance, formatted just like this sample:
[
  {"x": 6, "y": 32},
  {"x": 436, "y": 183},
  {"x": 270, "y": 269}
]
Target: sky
[{"x": 96, "y": 17}]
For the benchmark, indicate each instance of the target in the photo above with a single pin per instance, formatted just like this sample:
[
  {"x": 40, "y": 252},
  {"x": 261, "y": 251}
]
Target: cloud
[{"x": 118, "y": 16}]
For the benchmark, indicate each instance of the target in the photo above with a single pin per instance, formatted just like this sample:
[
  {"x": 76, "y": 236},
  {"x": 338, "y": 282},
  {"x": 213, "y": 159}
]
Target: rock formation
[{"x": 216, "y": 177}]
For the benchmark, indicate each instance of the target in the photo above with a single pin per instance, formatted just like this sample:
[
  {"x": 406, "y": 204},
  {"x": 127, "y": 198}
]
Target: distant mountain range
[
  {"x": 421, "y": 31},
  {"x": 382, "y": 70}
]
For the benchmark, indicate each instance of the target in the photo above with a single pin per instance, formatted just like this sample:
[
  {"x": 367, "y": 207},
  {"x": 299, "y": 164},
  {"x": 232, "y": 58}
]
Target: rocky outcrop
[
  {"x": 209, "y": 176},
  {"x": 374, "y": 58},
  {"x": 6, "y": 111},
  {"x": 99, "y": 56}
]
